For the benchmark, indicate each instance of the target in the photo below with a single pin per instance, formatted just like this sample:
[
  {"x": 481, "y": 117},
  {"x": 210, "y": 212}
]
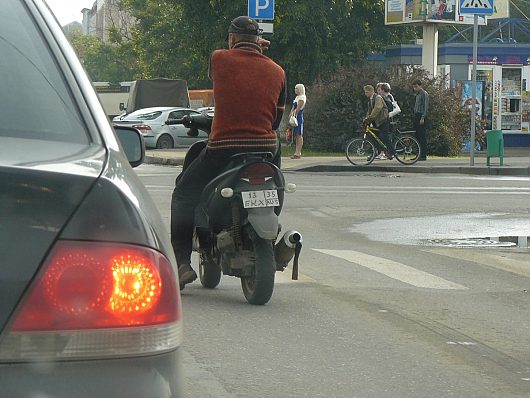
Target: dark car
[{"x": 89, "y": 304}]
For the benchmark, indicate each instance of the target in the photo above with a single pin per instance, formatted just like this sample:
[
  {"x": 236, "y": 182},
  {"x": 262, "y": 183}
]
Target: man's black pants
[{"x": 421, "y": 134}]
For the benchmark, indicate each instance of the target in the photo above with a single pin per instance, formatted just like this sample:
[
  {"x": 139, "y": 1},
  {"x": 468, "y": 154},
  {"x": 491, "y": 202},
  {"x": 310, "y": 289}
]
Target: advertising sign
[{"x": 417, "y": 11}]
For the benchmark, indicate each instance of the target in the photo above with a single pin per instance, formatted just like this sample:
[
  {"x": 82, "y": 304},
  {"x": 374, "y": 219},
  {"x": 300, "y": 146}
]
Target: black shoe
[
  {"x": 186, "y": 275},
  {"x": 422, "y": 159}
]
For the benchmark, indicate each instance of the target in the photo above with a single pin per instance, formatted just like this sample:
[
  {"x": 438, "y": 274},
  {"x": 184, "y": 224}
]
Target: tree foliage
[
  {"x": 312, "y": 39},
  {"x": 103, "y": 62}
]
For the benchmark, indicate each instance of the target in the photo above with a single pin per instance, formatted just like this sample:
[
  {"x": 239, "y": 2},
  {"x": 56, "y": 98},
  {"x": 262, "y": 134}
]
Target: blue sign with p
[{"x": 261, "y": 9}]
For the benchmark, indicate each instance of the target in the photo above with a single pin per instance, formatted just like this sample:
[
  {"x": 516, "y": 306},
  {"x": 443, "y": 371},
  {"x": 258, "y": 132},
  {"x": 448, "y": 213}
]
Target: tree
[
  {"x": 312, "y": 39},
  {"x": 103, "y": 62}
]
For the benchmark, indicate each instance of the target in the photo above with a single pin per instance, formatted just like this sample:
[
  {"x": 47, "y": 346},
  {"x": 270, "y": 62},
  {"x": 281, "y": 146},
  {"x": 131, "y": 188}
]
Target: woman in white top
[{"x": 298, "y": 112}]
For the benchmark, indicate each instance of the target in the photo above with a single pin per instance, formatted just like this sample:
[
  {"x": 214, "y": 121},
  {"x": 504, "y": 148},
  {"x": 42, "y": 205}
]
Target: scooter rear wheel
[{"x": 259, "y": 285}]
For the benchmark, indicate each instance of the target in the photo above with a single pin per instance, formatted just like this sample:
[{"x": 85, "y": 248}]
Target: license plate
[{"x": 266, "y": 198}]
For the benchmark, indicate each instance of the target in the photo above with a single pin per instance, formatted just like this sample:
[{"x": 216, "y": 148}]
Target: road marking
[
  {"x": 412, "y": 188},
  {"x": 409, "y": 191},
  {"x": 496, "y": 261},
  {"x": 394, "y": 270}
]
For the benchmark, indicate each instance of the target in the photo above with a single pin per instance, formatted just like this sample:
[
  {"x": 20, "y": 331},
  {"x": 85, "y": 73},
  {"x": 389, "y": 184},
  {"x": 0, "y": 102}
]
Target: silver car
[
  {"x": 157, "y": 134},
  {"x": 89, "y": 300}
]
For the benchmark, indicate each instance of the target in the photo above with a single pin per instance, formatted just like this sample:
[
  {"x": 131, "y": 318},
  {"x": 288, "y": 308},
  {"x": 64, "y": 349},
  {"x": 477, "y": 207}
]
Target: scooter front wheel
[
  {"x": 209, "y": 272},
  {"x": 259, "y": 285}
]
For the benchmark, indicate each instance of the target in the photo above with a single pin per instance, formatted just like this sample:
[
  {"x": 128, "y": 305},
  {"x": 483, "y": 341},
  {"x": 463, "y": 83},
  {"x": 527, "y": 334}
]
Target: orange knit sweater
[{"x": 249, "y": 89}]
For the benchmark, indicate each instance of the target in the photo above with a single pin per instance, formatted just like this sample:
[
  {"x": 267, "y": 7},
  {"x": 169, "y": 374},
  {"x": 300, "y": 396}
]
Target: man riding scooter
[{"x": 249, "y": 95}]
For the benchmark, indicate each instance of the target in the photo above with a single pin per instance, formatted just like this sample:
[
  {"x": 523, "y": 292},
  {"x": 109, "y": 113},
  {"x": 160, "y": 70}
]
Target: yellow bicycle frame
[{"x": 372, "y": 130}]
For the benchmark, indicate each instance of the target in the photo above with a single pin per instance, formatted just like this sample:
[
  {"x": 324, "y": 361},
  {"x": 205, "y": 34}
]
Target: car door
[{"x": 179, "y": 133}]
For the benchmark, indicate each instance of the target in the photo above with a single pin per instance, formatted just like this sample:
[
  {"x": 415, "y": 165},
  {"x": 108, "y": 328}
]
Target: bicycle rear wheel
[
  {"x": 407, "y": 149},
  {"x": 360, "y": 152}
]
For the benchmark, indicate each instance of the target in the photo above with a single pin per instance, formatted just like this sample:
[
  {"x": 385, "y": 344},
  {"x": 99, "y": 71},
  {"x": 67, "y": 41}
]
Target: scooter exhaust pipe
[{"x": 286, "y": 248}]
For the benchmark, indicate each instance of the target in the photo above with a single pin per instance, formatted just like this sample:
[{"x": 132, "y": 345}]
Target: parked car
[
  {"x": 89, "y": 304},
  {"x": 157, "y": 134}
]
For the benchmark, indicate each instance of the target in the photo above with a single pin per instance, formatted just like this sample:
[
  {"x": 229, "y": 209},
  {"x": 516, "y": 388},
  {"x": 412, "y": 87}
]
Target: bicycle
[{"x": 362, "y": 151}]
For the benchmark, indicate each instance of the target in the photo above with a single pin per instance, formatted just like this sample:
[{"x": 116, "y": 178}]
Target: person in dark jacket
[
  {"x": 421, "y": 109},
  {"x": 249, "y": 93}
]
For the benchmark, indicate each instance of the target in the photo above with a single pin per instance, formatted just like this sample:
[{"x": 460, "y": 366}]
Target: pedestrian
[
  {"x": 377, "y": 115},
  {"x": 249, "y": 92},
  {"x": 421, "y": 109},
  {"x": 396, "y": 110},
  {"x": 298, "y": 112}
]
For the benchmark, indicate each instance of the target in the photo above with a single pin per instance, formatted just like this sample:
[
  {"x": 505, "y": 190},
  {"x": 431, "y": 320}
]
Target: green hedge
[{"x": 336, "y": 108}]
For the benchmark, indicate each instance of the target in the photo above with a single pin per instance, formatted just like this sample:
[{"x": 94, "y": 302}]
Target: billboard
[{"x": 418, "y": 11}]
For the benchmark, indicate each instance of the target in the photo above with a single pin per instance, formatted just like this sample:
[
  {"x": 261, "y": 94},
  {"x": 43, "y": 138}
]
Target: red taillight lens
[
  {"x": 96, "y": 300},
  {"x": 142, "y": 127},
  {"x": 257, "y": 173},
  {"x": 87, "y": 285}
]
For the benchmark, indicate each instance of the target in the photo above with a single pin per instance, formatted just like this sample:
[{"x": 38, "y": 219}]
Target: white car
[{"x": 157, "y": 134}]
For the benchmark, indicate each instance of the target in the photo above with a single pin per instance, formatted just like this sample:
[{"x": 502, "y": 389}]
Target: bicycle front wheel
[
  {"x": 360, "y": 152},
  {"x": 407, "y": 149}
]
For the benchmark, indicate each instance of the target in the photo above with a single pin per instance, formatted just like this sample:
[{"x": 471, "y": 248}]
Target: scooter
[{"x": 237, "y": 232}]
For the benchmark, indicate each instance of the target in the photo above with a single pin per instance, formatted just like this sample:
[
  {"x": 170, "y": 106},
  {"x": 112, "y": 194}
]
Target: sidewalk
[{"x": 516, "y": 163}]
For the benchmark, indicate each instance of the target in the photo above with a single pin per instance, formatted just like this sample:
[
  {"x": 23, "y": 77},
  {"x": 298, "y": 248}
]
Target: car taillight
[
  {"x": 95, "y": 299},
  {"x": 257, "y": 173},
  {"x": 142, "y": 127}
]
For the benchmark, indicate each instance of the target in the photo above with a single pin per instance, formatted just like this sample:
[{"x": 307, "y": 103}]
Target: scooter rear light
[
  {"x": 94, "y": 299},
  {"x": 257, "y": 173}
]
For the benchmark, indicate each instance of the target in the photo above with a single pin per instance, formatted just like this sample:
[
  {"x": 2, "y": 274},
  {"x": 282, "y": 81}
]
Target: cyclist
[
  {"x": 377, "y": 115},
  {"x": 249, "y": 95}
]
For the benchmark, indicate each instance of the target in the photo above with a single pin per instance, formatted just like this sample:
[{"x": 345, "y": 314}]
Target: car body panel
[
  {"x": 66, "y": 179},
  {"x": 146, "y": 377}
]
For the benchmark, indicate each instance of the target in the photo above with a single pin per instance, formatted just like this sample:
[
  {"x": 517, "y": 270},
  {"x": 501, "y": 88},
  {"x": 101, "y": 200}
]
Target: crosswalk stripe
[
  {"x": 394, "y": 270},
  {"x": 496, "y": 261}
]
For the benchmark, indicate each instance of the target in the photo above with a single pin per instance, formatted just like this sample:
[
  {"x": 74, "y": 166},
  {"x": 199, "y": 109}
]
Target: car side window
[
  {"x": 177, "y": 114},
  {"x": 36, "y": 100}
]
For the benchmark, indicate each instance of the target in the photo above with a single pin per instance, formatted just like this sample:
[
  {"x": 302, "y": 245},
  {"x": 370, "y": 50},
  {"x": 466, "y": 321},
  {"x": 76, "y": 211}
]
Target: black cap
[{"x": 244, "y": 26}]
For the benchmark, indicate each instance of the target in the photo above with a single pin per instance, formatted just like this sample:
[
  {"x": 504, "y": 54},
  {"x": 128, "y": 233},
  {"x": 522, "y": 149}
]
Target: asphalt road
[{"x": 386, "y": 306}]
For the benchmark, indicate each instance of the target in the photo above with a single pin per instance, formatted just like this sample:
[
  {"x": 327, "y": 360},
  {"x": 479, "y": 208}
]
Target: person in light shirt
[{"x": 298, "y": 112}]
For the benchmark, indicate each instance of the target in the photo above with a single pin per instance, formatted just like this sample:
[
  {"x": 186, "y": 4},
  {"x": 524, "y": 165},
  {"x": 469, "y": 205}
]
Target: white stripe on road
[
  {"x": 409, "y": 191},
  {"x": 413, "y": 188},
  {"x": 394, "y": 270}
]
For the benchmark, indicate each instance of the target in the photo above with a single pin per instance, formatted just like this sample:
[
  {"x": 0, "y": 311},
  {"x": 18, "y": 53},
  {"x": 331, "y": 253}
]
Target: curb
[
  {"x": 480, "y": 170},
  {"x": 493, "y": 171}
]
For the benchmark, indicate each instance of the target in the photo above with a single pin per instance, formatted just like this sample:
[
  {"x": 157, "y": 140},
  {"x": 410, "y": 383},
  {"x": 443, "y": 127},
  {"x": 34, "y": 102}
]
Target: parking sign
[{"x": 261, "y": 9}]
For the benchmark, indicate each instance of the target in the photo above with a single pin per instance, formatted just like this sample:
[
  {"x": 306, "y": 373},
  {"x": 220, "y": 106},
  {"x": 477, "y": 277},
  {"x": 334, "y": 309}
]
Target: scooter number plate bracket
[{"x": 265, "y": 198}]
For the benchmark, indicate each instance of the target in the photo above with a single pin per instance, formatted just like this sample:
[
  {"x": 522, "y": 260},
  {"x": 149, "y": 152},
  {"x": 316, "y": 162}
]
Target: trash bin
[{"x": 495, "y": 143}]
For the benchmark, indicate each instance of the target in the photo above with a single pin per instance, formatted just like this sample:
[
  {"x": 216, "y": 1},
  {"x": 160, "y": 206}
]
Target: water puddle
[{"x": 474, "y": 230}]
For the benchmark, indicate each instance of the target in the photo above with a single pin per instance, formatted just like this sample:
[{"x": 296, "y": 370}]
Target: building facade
[{"x": 104, "y": 17}]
